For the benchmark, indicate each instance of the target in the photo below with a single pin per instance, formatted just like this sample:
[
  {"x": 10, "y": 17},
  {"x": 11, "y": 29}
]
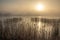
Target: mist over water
[
  {"x": 29, "y": 20},
  {"x": 29, "y": 28}
]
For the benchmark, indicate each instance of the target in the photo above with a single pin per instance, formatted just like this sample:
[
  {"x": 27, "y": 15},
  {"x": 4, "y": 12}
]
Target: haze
[{"x": 28, "y": 7}]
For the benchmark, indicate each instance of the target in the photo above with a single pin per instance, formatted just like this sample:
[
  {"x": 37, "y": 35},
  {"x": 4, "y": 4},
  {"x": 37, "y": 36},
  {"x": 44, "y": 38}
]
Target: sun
[{"x": 39, "y": 7}]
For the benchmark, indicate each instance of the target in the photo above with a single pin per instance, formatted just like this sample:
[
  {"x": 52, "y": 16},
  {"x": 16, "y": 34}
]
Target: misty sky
[{"x": 27, "y": 6}]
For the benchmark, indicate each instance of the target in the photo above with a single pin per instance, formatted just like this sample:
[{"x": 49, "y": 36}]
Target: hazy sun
[{"x": 39, "y": 7}]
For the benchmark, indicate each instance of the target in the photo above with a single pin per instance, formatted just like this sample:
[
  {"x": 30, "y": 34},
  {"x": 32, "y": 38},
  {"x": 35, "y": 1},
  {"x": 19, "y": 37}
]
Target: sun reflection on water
[{"x": 39, "y": 26}]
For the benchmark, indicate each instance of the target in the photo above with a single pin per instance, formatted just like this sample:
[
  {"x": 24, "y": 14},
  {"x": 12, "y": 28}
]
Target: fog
[{"x": 29, "y": 28}]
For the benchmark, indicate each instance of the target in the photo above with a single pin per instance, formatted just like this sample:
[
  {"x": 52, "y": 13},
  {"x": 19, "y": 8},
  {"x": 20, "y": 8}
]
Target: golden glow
[
  {"x": 39, "y": 26},
  {"x": 39, "y": 7}
]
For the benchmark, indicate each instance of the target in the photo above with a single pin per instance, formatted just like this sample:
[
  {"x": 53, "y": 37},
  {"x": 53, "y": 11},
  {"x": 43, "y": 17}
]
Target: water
[{"x": 30, "y": 28}]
